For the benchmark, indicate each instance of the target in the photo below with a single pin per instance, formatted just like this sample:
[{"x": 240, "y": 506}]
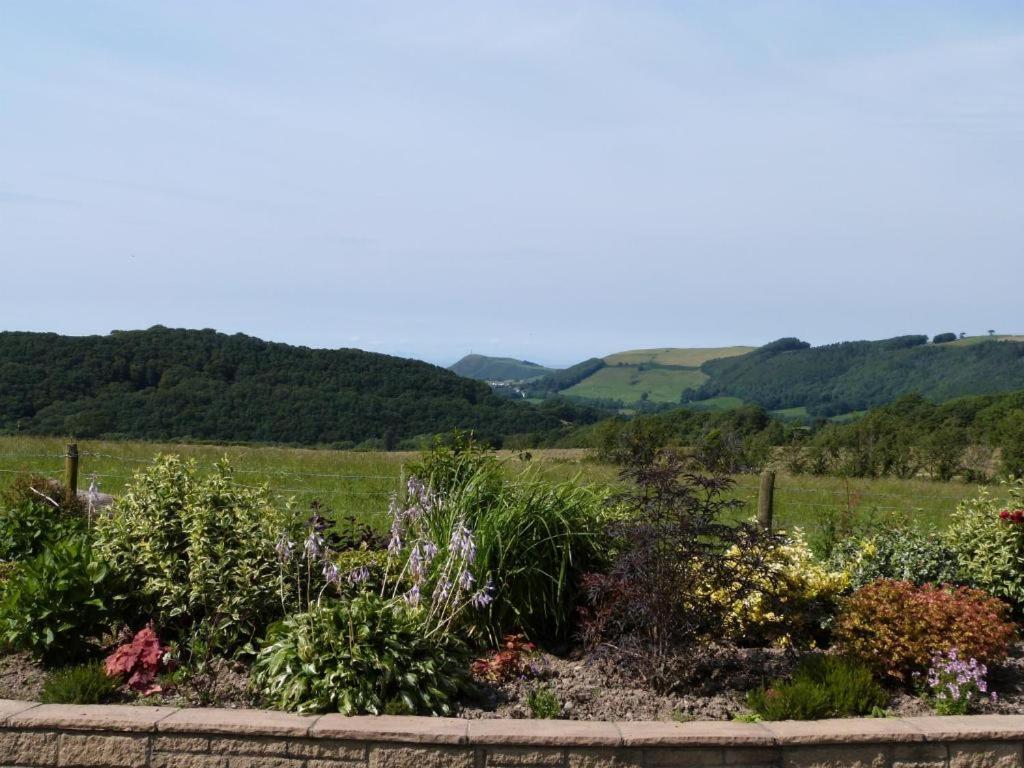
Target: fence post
[
  {"x": 766, "y": 500},
  {"x": 71, "y": 475}
]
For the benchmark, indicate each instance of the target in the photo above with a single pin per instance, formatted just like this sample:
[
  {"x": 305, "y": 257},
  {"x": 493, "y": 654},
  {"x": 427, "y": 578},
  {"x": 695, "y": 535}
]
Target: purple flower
[
  {"x": 412, "y": 597},
  {"x": 359, "y": 575},
  {"x": 331, "y": 573},
  {"x": 314, "y": 545},
  {"x": 466, "y": 581},
  {"x": 444, "y": 588},
  {"x": 285, "y": 548}
]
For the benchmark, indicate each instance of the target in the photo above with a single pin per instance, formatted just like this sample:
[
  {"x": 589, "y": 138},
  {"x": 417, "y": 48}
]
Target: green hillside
[
  {"x": 486, "y": 368},
  {"x": 656, "y": 375},
  {"x": 857, "y": 375},
  {"x": 203, "y": 385}
]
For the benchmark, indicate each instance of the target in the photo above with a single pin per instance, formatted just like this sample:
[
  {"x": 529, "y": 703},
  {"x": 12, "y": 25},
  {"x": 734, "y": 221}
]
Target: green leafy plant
[
  {"x": 358, "y": 657},
  {"x": 897, "y": 550},
  {"x": 822, "y": 686},
  {"x": 543, "y": 703},
  {"x": 55, "y": 603},
  {"x": 535, "y": 538},
  {"x": 896, "y": 627},
  {"x": 197, "y": 550},
  {"x": 989, "y": 546},
  {"x": 31, "y": 517},
  {"x": 85, "y": 684}
]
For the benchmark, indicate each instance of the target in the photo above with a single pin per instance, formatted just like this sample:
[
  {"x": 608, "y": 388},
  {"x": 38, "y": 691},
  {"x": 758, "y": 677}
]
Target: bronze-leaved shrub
[{"x": 897, "y": 627}]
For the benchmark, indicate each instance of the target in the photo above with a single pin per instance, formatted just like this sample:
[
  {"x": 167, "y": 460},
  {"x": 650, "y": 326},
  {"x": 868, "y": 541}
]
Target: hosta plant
[{"x": 358, "y": 657}]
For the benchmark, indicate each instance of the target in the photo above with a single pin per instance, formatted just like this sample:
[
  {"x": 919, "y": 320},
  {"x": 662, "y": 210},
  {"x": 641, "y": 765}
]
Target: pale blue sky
[{"x": 549, "y": 180}]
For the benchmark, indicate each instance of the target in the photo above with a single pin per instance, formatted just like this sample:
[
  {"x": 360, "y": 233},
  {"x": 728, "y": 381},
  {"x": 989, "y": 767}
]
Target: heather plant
[
  {"x": 85, "y": 684},
  {"x": 674, "y": 550},
  {"x": 197, "y": 551},
  {"x": 957, "y": 686},
  {"x": 543, "y": 703},
  {"x": 822, "y": 686},
  {"x": 897, "y": 627},
  {"x": 986, "y": 534}
]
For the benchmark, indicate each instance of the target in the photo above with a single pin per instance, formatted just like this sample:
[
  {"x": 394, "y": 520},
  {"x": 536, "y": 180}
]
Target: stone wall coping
[{"x": 25, "y": 715}]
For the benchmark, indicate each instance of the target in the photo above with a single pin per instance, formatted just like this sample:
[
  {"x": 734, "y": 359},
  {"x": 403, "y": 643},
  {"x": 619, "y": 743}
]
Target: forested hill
[
  {"x": 857, "y": 375},
  {"x": 487, "y": 368},
  {"x": 164, "y": 383}
]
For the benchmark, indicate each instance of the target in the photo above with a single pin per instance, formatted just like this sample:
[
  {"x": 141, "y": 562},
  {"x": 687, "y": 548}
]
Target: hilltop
[
  {"x": 486, "y": 368},
  {"x": 164, "y": 383}
]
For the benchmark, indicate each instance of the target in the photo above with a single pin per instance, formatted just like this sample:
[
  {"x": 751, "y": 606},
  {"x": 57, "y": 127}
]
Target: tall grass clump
[{"x": 534, "y": 537}]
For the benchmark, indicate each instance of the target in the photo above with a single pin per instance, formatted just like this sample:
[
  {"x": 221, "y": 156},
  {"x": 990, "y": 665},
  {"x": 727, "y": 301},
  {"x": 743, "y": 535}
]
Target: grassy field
[
  {"x": 628, "y": 383},
  {"x": 691, "y": 357},
  {"x": 359, "y": 483}
]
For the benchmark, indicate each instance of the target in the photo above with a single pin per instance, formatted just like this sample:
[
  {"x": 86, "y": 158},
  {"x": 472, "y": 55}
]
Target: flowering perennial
[{"x": 957, "y": 685}]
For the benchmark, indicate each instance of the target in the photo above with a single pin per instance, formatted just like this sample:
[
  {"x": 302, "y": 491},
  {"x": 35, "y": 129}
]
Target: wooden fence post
[
  {"x": 766, "y": 500},
  {"x": 71, "y": 475}
]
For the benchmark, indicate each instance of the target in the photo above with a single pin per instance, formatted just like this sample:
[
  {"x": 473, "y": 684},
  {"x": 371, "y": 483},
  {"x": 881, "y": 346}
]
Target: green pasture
[
  {"x": 690, "y": 357},
  {"x": 360, "y": 483},
  {"x": 629, "y": 383}
]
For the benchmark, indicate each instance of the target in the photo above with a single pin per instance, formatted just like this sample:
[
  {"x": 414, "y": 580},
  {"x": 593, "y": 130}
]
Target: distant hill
[
  {"x": 203, "y": 385},
  {"x": 856, "y": 375},
  {"x": 653, "y": 375},
  {"x": 486, "y": 368}
]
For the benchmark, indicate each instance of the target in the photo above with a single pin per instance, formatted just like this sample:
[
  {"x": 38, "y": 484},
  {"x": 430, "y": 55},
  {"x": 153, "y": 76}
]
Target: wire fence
[{"x": 369, "y": 486}]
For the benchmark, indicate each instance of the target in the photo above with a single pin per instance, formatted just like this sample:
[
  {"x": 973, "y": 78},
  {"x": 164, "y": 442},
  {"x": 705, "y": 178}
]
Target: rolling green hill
[
  {"x": 853, "y": 376},
  {"x": 168, "y": 384},
  {"x": 486, "y": 368}
]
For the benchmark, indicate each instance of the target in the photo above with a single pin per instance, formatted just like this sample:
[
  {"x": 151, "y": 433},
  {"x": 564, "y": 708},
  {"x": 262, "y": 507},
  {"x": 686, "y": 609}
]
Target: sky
[{"x": 549, "y": 181}]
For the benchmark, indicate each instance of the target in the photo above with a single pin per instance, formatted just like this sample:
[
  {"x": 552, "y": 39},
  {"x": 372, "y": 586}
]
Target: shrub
[
  {"x": 897, "y": 552},
  {"x": 535, "y": 538},
  {"x": 896, "y": 627},
  {"x": 673, "y": 553},
  {"x": 784, "y": 596},
  {"x": 822, "y": 686},
  {"x": 86, "y": 684},
  {"x": 138, "y": 662},
  {"x": 53, "y": 604},
  {"x": 543, "y": 703},
  {"x": 31, "y": 518},
  {"x": 989, "y": 547},
  {"x": 356, "y": 656},
  {"x": 197, "y": 550}
]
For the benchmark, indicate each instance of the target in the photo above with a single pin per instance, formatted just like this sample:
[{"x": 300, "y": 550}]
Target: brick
[
  {"x": 704, "y": 734},
  {"x": 753, "y": 756},
  {"x": 683, "y": 756},
  {"x": 837, "y": 756},
  {"x": 103, "y": 751},
  {"x": 513, "y": 757},
  {"x": 328, "y": 749},
  {"x": 919, "y": 756},
  {"x": 249, "y": 745},
  {"x": 262, "y": 761},
  {"x": 421, "y": 757},
  {"x": 11, "y": 707},
  {"x": 183, "y": 760},
  {"x": 236, "y": 722},
  {"x": 28, "y": 748},
  {"x": 392, "y": 728},
  {"x": 544, "y": 733},
  {"x": 992, "y": 754},
  {"x": 843, "y": 731},
  {"x": 181, "y": 744},
  {"x": 91, "y": 717},
  {"x": 970, "y": 727},
  {"x": 605, "y": 758},
  {"x": 319, "y": 763}
]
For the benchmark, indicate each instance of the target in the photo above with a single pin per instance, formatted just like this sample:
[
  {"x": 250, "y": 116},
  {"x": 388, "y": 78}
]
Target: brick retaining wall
[{"x": 164, "y": 737}]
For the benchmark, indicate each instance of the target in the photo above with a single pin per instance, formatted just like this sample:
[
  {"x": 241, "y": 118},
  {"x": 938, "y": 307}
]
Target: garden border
[{"x": 124, "y": 736}]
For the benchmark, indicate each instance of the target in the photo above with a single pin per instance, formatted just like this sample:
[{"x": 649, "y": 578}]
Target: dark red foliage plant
[
  {"x": 656, "y": 602},
  {"x": 138, "y": 662},
  {"x": 514, "y": 659}
]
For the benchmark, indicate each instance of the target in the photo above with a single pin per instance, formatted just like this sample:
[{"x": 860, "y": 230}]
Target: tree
[{"x": 944, "y": 338}]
